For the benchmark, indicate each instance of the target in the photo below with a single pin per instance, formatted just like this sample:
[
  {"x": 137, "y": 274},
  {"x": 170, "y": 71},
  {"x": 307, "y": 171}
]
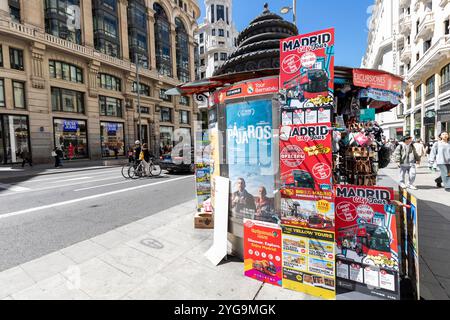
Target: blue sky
[{"x": 348, "y": 17}]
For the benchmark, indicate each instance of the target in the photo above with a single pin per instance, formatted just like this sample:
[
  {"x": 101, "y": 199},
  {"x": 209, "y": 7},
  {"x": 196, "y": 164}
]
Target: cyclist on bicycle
[
  {"x": 137, "y": 151},
  {"x": 146, "y": 157}
]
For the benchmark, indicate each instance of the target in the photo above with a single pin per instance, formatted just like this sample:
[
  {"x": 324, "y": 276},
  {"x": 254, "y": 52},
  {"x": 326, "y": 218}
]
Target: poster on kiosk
[
  {"x": 367, "y": 255},
  {"x": 307, "y": 204}
]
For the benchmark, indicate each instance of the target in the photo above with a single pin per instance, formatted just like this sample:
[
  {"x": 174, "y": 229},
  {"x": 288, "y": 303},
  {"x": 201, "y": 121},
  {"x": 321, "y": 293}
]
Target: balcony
[
  {"x": 437, "y": 54},
  {"x": 444, "y": 87},
  {"x": 426, "y": 27},
  {"x": 405, "y": 24},
  {"x": 405, "y": 54},
  {"x": 429, "y": 95}
]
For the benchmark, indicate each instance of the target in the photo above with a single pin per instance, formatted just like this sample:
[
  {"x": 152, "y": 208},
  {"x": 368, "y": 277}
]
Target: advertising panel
[
  {"x": 307, "y": 75},
  {"x": 262, "y": 251},
  {"x": 367, "y": 254},
  {"x": 306, "y": 157},
  {"x": 249, "y": 89},
  {"x": 376, "y": 79},
  {"x": 202, "y": 169},
  {"x": 249, "y": 159},
  {"x": 308, "y": 261}
]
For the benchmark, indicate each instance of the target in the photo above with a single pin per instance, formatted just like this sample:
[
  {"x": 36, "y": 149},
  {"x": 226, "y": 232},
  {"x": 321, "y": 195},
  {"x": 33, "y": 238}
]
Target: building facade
[
  {"x": 216, "y": 36},
  {"x": 421, "y": 45},
  {"x": 68, "y": 76}
]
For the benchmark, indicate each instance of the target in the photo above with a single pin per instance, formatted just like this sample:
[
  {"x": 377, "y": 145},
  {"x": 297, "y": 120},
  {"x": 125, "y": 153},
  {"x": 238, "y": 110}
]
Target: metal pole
[
  {"x": 138, "y": 96},
  {"x": 294, "y": 11}
]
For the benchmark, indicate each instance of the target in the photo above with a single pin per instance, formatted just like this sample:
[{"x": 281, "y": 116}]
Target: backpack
[{"x": 384, "y": 157}]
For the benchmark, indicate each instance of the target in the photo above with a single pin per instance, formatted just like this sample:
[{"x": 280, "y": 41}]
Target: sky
[{"x": 348, "y": 17}]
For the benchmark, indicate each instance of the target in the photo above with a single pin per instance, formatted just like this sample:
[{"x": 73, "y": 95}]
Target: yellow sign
[{"x": 323, "y": 206}]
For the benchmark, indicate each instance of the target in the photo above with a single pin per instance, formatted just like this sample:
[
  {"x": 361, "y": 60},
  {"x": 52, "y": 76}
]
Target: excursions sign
[{"x": 367, "y": 257}]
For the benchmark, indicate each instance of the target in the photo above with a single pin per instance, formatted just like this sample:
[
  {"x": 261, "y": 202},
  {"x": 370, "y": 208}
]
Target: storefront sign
[
  {"x": 309, "y": 261},
  {"x": 367, "y": 257},
  {"x": 249, "y": 159},
  {"x": 112, "y": 127},
  {"x": 367, "y": 115},
  {"x": 380, "y": 95},
  {"x": 249, "y": 89},
  {"x": 376, "y": 79},
  {"x": 70, "y": 125},
  {"x": 306, "y": 156},
  {"x": 262, "y": 251},
  {"x": 430, "y": 117},
  {"x": 307, "y": 74}
]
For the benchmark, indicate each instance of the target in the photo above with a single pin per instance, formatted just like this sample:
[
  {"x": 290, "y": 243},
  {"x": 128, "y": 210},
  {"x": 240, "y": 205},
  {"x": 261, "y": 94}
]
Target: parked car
[{"x": 176, "y": 164}]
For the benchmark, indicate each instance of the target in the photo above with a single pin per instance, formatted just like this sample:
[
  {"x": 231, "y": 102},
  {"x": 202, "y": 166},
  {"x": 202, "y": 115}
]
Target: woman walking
[{"x": 440, "y": 154}]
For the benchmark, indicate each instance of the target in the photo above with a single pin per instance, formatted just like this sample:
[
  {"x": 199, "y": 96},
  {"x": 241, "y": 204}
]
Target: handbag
[{"x": 53, "y": 154}]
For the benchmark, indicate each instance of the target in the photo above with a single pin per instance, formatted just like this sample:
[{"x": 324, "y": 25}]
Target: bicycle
[
  {"x": 136, "y": 172},
  {"x": 125, "y": 169}
]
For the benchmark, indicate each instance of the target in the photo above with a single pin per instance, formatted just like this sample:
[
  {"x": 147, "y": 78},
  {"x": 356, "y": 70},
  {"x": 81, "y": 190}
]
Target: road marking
[
  {"x": 10, "y": 187},
  {"x": 59, "y": 204},
  {"x": 103, "y": 172},
  {"x": 102, "y": 185}
]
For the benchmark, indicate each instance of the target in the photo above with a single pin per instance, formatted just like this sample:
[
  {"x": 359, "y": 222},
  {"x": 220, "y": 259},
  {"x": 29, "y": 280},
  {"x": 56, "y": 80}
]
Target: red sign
[
  {"x": 366, "y": 238},
  {"x": 249, "y": 89},
  {"x": 262, "y": 251},
  {"x": 306, "y": 156},
  {"x": 376, "y": 79}
]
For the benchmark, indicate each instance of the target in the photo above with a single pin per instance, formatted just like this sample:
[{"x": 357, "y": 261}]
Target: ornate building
[{"x": 68, "y": 75}]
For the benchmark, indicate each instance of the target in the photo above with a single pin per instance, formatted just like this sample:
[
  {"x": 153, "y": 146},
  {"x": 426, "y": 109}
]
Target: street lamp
[
  {"x": 138, "y": 59},
  {"x": 286, "y": 9}
]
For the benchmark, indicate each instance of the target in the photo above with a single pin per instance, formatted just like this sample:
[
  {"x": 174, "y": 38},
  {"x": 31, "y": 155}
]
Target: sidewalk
[
  {"x": 16, "y": 170},
  {"x": 159, "y": 257},
  {"x": 434, "y": 231}
]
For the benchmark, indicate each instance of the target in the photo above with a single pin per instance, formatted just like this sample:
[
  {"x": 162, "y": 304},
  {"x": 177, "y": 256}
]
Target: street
[{"x": 47, "y": 213}]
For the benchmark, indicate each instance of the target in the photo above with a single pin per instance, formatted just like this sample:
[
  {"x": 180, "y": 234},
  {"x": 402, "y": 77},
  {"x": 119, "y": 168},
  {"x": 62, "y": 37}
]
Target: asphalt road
[{"x": 50, "y": 212}]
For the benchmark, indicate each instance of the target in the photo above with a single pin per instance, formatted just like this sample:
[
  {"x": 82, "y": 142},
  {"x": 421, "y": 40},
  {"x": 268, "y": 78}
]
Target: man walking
[
  {"x": 406, "y": 157},
  {"x": 420, "y": 149},
  {"x": 440, "y": 154},
  {"x": 26, "y": 157}
]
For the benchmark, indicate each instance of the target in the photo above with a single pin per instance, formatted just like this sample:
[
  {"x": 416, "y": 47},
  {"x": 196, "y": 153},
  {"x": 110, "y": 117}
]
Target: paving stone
[
  {"x": 445, "y": 282},
  {"x": 47, "y": 266},
  {"x": 432, "y": 291},
  {"x": 439, "y": 268},
  {"x": 83, "y": 251},
  {"x": 111, "y": 239},
  {"x": 14, "y": 280},
  {"x": 133, "y": 229}
]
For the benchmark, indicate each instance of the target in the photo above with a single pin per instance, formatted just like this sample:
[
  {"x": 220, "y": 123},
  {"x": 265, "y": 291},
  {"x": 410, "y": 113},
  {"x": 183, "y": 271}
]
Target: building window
[
  {"x": 106, "y": 30},
  {"x": 2, "y": 93},
  {"x": 109, "y": 82},
  {"x": 201, "y": 37},
  {"x": 202, "y": 50},
  {"x": 220, "y": 12},
  {"x": 14, "y": 9},
  {"x": 445, "y": 78},
  {"x": 426, "y": 45},
  {"x": 203, "y": 75},
  {"x": 417, "y": 56},
  {"x": 14, "y": 138},
  {"x": 184, "y": 100},
  {"x": 16, "y": 58},
  {"x": 164, "y": 96},
  {"x": 216, "y": 56},
  {"x": 202, "y": 62},
  {"x": 221, "y": 33},
  {"x": 212, "y": 13},
  {"x": 228, "y": 34},
  {"x": 65, "y": 71},
  {"x": 447, "y": 26},
  {"x": 418, "y": 94},
  {"x": 184, "y": 117},
  {"x": 429, "y": 93},
  {"x": 182, "y": 52},
  {"x": 144, "y": 89},
  {"x": 60, "y": 18},
  {"x": 64, "y": 100},
  {"x": 19, "y": 94},
  {"x": 71, "y": 134},
  {"x": 137, "y": 32},
  {"x": 166, "y": 114},
  {"x": 162, "y": 41},
  {"x": 228, "y": 16},
  {"x": 166, "y": 139},
  {"x": 223, "y": 56},
  {"x": 112, "y": 139},
  {"x": 111, "y": 107},
  {"x": 145, "y": 110},
  {"x": 1, "y": 57},
  {"x": 213, "y": 32}
]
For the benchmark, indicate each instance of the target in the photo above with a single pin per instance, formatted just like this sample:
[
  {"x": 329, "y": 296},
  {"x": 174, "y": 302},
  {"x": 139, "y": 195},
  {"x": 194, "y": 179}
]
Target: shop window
[
  {"x": 14, "y": 138},
  {"x": 19, "y": 94},
  {"x": 14, "y": 9},
  {"x": 71, "y": 136},
  {"x": 429, "y": 93},
  {"x": 64, "y": 100},
  {"x": 144, "y": 89},
  {"x": 112, "y": 139},
  {"x": 184, "y": 117},
  {"x": 2, "y": 93},
  {"x": 110, "y": 107},
  {"x": 58, "y": 15},
  {"x": 166, "y": 114},
  {"x": 221, "y": 33},
  {"x": 164, "y": 96},
  {"x": 182, "y": 52},
  {"x": 65, "y": 71},
  {"x": 184, "y": 100},
  {"x": 220, "y": 12},
  {"x": 16, "y": 58},
  {"x": 109, "y": 82},
  {"x": 162, "y": 42}
]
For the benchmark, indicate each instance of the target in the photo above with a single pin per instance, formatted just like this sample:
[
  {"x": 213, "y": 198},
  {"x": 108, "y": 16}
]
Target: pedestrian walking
[
  {"x": 26, "y": 157},
  {"x": 429, "y": 146},
  {"x": 71, "y": 151},
  {"x": 440, "y": 155},
  {"x": 58, "y": 155},
  {"x": 420, "y": 149},
  {"x": 406, "y": 157}
]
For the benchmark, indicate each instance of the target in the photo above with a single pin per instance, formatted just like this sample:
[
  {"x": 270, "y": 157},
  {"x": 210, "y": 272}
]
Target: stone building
[{"x": 68, "y": 75}]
